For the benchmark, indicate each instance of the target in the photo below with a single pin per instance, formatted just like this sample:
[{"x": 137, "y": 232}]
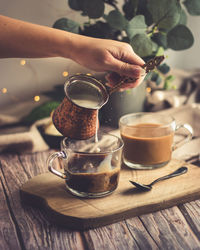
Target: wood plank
[
  {"x": 191, "y": 212},
  {"x": 35, "y": 230},
  {"x": 115, "y": 236},
  {"x": 49, "y": 192},
  {"x": 170, "y": 230},
  {"x": 8, "y": 233},
  {"x": 130, "y": 234}
]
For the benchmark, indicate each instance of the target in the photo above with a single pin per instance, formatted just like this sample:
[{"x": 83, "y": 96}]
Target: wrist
[{"x": 69, "y": 45}]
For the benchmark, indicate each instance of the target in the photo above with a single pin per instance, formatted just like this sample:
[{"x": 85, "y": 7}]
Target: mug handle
[
  {"x": 186, "y": 139},
  {"x": 50, "y": 161}
]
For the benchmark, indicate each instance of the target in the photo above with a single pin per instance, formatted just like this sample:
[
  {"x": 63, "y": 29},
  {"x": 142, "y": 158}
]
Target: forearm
[{"x": 23, "y": 39}]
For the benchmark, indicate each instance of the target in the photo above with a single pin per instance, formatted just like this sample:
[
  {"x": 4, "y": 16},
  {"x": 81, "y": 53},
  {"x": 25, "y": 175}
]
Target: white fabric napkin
[{"x": 21, "y": 139}]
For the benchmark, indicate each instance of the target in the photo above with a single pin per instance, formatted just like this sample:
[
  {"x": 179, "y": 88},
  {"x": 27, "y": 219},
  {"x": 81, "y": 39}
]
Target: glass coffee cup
[
  {"x": 149, "y": 139},
  {"x": 91, "y": 168}
]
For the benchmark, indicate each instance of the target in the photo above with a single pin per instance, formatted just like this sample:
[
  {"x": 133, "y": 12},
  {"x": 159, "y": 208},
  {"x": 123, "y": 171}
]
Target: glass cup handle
[
  {"x": 187, "y": 138},
  {"x": 50, "y": 160}
]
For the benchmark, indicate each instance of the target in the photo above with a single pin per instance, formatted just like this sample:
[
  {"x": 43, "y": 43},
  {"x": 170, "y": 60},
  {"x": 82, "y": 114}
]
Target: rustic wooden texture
[
  {"x": 47, "y": 191},
  {"x": 33, "y": 230},
  {"x": 25, "y": 227}
]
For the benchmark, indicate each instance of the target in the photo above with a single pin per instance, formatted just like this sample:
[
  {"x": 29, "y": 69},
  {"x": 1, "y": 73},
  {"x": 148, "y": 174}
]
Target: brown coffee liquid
[
  {"x": 147, "y": 144},
  {"x": 93, "y": 183},
  {"x": 83, "y": 176}
]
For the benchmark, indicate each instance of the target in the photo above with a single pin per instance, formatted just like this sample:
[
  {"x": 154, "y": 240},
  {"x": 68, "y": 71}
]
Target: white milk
[
  {"x": 90, "y": 103},
  {"x": 85, "y": 103}
]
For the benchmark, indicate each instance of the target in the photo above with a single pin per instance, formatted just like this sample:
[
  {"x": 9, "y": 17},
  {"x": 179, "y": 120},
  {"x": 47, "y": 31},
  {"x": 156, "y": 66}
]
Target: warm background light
[
  {"x": 148, "y": 89},
  {"x": 36, "y": 98},
  {"x": 65, "y": 73},
  {"x": 4, "y": 90},
  {"x": 23, "y": 62}
]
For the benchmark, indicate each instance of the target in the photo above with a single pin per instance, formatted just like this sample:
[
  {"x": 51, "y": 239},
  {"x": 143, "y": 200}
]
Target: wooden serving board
[{"x": 48, "y": 192}]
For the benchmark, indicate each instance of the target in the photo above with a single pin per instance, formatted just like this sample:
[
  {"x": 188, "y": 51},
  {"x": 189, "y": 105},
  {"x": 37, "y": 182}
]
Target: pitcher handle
[
  {"x": 187, "y": 138},
  {"x": 50, "y": 161}
]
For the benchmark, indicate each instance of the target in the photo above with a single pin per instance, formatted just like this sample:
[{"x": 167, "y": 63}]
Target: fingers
[
  {"x": 114, "y": 79},
  {"x": 134, "y": 71},
  {"x": 134, "y": 84},
  {"x": 133, "y": 58},
  {"x": 126, "y": 69}
]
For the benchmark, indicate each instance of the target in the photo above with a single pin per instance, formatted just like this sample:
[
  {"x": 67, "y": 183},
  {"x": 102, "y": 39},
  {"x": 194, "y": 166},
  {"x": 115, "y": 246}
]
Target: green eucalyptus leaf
[
  {"x": 168, "y": 82},
  {"x": 135, "y": 26},
  {"x": 193, "y": 7},
  {"x": 99, "y": 30},
  {"x": 125, "y": 39},
  {"x": 130, "y": 8},
  {"x": 42, "y": 111},
  {"x": 83, "y": 13},
  {"x": 158, "y": 80},
  {"x": 154, "y": 47},
  {"x": 94, "y": 8},
  {"x": 143, "y": 10},
  {"x": 148, "y": 76},
  {"x": 160, "y": 51},
  {"x": 170, "y": 78},
  {"x": 164, "y": 68},
  {"x": 167, "y": 85},
  {"x": 183, "y": 17},
  {"x": 75, "y": 4},
  {"x": 67, "y": 25},
  {"x": 160, "y": 39},
  {"x": 142, "y": 45},
  {"x": 165, "y": 13},
  {"x": 155, "y": 77},
  {"x": 180, "y": 38},
  {"x": 116, "y": 20}
]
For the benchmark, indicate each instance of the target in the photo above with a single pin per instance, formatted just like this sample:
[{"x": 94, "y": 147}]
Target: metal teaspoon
[{"x": 148, "y": 187}]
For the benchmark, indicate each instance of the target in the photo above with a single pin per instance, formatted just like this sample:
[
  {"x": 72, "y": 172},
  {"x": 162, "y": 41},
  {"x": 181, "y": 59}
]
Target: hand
[
  {"x": 121, "y": 83},
  {"x": 27, "y": 40},
  {"x": 110, "y": 56}
]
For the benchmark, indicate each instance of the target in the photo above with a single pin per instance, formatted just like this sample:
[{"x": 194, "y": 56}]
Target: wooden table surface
[{"x": 25, "y": 227}]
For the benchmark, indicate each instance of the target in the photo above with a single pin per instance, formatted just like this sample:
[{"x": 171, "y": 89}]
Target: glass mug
[
  {"x": 91, "y": 168},
  {"x": 149, "y": 139}
]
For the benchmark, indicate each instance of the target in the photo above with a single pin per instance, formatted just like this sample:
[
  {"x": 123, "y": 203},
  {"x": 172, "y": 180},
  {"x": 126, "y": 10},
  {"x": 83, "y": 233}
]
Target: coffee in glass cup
[
  {"x": 149, "y": 139},
  {"x": 91, "y": 168}
]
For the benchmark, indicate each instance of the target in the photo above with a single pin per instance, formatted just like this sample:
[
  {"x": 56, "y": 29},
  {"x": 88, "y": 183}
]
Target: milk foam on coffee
[{"x": 105, "y": 165}]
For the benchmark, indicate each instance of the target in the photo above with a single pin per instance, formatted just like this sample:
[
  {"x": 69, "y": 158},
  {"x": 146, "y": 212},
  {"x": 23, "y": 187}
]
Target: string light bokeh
[
  {"x": 148, "y": 90},
  {"x": 37, "y": 97},
  {"x": 4, "y": 90}
]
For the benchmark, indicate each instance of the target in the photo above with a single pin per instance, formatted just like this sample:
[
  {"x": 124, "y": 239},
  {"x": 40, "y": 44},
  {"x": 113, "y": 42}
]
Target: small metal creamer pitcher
[{"x": 77, "y": 116}]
